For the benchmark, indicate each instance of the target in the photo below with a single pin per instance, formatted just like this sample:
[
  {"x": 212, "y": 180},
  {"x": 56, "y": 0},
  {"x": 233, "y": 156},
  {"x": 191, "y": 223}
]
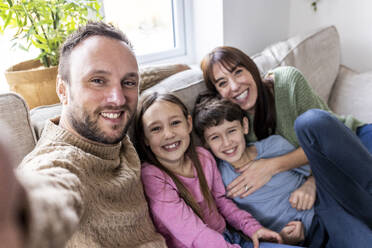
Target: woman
[{"x": 273, "y": 104}]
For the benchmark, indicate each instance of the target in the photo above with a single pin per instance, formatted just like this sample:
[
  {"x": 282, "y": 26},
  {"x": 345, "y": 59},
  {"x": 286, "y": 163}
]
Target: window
[{"x": 155, "y": 28}]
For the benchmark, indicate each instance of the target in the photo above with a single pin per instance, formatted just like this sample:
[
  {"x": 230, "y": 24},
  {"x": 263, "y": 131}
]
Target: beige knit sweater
[{"x": 85, "y": 195}]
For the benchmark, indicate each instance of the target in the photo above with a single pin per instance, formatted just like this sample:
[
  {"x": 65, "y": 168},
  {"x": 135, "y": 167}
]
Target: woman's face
[{"x": 237, "y": 86}]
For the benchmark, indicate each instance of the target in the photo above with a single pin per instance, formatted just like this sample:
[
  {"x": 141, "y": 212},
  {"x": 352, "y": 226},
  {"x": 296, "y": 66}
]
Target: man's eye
[
  {"x": 232, "y": 130},
  {"x": 97, "y": 81},
  {"x": 130, "y": 83}
]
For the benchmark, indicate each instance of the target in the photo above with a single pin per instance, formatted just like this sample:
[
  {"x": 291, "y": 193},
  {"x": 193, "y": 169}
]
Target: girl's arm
[
  {"x": 173, "y": 216},
  {"x": 239, "y": 219}
]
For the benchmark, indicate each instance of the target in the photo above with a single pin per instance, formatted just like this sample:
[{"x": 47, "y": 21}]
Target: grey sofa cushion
[
  {"x": 316, "y": 55},
  {"x": 186, "y": 85},
  {"x": 15, "y": 116},
  {"x": 351, "y": 94},
  {"x": 40, "y": 114}
]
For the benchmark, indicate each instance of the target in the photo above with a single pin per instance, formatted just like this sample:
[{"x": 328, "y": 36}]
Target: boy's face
[{"x": 226, "y": 140}]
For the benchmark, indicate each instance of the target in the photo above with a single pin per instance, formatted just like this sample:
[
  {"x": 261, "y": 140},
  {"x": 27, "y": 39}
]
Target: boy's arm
[{"x": 304, "y": 197}]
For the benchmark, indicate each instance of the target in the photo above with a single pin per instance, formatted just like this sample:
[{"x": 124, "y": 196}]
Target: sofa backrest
[
  {"x": 316, "y": 54},
  {"x": 14, "y": 114}
]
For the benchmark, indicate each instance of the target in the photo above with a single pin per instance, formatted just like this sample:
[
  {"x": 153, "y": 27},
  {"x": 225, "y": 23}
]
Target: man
[{"x": 83, "y": 178}]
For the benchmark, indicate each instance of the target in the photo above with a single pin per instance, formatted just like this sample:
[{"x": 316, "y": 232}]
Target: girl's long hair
[
  {"x": 229, "y": 57},
  {"x": 146, "y": 154}
]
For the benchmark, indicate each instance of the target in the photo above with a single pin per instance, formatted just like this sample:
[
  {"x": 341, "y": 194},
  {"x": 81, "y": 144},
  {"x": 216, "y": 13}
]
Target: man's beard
[{"x": 89, "y": 129}]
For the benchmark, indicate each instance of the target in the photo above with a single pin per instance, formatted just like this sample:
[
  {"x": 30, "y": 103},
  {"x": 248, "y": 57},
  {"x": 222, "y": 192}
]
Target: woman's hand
[
  {"x": 253, "y": 176},
  {"x": 303, "y": 198},
  {"x": 293, "y": 233},
  {"x": 266, "y": 235}
]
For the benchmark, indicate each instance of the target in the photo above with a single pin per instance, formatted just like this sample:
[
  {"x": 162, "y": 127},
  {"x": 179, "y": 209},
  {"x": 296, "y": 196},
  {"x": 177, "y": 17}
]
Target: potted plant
[{"x": 42, "y": 24}]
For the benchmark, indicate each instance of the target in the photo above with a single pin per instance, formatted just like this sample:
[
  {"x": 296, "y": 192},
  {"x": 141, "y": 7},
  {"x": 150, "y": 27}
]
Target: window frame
[{"x": 182, "y": 48}]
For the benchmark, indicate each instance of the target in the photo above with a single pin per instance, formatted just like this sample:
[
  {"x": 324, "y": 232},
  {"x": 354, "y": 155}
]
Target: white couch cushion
[
  {"x": 186, "y": 85},
  {"x": 351, "y": 94}
]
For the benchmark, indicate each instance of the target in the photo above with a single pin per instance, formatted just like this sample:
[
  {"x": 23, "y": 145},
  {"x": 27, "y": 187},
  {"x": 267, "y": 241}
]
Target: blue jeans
[
  {"x": 365, "y": 135},
  {"x": 342, "y": 167},
  {"x": 234, "y": 238}
]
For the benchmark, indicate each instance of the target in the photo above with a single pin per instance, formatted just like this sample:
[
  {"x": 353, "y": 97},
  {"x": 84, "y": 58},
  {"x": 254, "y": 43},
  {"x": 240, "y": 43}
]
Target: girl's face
[
  {"x": 237, "y": 86},
  {"x": 167, "y": 132}
]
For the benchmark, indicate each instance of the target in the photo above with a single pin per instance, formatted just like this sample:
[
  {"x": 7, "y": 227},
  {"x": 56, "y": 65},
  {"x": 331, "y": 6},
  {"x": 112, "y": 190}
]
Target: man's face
[
  {"x": 103, "y": 90},
  {"x": 226, "y": 140}
]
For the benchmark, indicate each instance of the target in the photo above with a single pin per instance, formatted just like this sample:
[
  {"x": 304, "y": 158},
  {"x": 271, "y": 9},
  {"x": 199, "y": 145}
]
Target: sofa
[{"x": 317, "y": 54}]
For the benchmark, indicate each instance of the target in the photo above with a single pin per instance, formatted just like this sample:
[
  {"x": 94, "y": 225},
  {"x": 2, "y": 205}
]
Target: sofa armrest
[{"x": 14, "y": 114}]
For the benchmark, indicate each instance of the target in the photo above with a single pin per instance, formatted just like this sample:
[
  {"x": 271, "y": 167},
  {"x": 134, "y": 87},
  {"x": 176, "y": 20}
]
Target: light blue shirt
[{"x": 270, "y": 204}]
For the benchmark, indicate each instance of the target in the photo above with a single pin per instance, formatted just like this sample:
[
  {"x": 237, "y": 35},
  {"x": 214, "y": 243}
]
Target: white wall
[
  {"x": 208, "y": 26},
  {"x": 352, "y": 19},
  {"x": 251, "y": 25}
]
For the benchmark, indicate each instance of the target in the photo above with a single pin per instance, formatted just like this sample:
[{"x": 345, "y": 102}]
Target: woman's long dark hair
[
  {"x": 229, "y": 57},
  {"x": 146, "y": 154}
]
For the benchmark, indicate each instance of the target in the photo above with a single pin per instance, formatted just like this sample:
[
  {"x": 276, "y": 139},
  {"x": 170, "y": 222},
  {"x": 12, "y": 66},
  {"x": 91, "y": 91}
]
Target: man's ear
[
  {"x": 62, "y": 90},
  {"x": 245, "y": 125}
]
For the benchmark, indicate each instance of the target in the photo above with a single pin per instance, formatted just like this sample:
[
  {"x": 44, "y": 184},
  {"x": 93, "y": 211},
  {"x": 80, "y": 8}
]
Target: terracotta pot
[{"x": 35, "y": 83}]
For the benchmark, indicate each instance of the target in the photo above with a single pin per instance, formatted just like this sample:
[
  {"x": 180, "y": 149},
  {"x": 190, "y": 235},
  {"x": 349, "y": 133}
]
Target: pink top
[{"x": 177, "y": 222}]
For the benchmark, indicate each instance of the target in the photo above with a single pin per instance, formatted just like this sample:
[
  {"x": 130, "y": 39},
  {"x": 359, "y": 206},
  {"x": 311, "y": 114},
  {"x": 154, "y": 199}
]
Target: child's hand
[
  {"x": 267, "y": 235},
  {"x": 293, "y": 233},
  {"x": 303, "y": 198}
]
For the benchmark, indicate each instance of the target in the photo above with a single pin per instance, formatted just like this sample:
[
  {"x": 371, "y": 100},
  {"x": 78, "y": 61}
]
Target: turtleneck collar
[{"x": 57, "y": 133}]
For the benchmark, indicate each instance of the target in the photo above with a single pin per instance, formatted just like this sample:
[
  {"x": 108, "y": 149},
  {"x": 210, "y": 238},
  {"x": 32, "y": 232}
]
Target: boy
[{"x": 222, "y": 126}]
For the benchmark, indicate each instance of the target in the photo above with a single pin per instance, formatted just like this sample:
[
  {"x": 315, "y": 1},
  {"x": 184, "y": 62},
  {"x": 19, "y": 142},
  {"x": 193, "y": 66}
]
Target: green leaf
[{"x": 10, "y": 3}]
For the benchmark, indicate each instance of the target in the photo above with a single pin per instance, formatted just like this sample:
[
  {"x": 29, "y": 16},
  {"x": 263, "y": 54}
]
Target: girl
[{"x": 183, "y": 186}]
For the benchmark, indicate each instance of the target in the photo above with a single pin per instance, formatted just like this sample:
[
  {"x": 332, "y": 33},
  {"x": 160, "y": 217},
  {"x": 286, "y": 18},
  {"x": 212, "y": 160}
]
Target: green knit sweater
[
  {"x": 294, "y": 96},
  {"x": 85, "y": 194}
]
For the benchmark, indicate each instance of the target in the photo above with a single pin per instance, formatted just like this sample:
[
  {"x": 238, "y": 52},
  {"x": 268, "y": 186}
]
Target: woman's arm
[{"x": 255, "y": 175}]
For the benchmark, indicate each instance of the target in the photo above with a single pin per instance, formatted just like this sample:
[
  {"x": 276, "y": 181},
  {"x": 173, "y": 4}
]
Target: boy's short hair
[{"x": 211, "y": 110}]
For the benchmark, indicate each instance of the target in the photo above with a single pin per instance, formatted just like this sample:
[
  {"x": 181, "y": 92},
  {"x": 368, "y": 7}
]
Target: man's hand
[
  {"x": 253, "y": 176},
  {"x": 12, "y": 200},
  {"x": 293, "y": 233},
  {"x": 266, "y": 235},
  {"x": 303, "y": 198}
]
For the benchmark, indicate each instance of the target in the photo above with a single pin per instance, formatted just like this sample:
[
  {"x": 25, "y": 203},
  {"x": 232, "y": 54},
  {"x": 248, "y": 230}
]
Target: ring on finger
[{"x": 246, "y": 188}]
